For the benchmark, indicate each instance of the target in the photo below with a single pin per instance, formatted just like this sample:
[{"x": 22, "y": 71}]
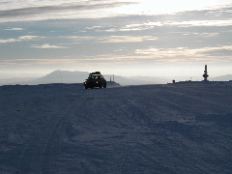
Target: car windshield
[{"x": 95, "y": 76}]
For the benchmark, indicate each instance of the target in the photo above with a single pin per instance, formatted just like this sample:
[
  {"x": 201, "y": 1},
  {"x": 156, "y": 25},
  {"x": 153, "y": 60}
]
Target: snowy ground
[{"x": 63, "y": 129}]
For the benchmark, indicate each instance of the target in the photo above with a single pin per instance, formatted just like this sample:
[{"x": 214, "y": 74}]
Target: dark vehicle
[{"x": 95, "y": 79}]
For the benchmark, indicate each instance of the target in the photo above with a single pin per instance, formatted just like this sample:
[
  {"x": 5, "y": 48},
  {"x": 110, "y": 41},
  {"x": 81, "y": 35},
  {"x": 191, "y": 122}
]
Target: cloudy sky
[{"x": 126, "y": 37}]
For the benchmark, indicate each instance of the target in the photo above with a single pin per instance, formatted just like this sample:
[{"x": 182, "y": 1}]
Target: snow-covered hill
[{"x": 162, "y": 129}]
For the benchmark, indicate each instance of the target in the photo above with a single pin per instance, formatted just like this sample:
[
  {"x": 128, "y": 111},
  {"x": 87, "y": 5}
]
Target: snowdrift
[{"x": 162, "y": 129}]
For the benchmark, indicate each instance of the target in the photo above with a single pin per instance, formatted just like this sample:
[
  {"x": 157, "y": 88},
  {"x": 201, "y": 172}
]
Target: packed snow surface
[{"x": 161, "y": 129}]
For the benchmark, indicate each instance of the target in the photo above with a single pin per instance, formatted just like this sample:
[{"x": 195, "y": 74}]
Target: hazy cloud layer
[
  {"x": 44, "y": 10},
  {"x": 33, "y": 10},
  {"x": 113, "y": 39},
  {"x": 19, "y": 39},
  {"x": 185, "y": 53}
]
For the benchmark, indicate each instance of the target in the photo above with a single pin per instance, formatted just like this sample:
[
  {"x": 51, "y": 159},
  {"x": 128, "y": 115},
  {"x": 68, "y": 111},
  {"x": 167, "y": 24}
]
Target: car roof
[{"x": 97, "y": 72}]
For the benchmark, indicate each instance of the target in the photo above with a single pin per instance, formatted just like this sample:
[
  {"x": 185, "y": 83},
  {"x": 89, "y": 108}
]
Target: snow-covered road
[{"x": 64, "y": 129}]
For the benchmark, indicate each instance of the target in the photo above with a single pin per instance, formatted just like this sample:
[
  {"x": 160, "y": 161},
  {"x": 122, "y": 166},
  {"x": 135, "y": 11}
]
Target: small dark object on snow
[{"x": 95, "y": 79}]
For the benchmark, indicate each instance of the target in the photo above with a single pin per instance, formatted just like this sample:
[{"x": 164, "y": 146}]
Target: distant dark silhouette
[{"x": 205, "y": 75}]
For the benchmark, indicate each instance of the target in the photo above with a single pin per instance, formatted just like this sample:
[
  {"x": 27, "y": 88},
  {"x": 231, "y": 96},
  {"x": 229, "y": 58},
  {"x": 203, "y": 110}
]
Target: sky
[{"x": 125, "y": 37}]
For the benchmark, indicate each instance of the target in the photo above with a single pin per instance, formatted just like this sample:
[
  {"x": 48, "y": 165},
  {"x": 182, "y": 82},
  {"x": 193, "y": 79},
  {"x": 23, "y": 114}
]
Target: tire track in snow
[
  {"x": 53, "y": 146},
  {"x": 36, "y": 157}
]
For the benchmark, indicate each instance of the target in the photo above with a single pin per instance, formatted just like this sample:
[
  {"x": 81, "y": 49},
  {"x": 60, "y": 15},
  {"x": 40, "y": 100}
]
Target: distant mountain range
[
  {"x": 79, "y": 77},
  {"x": 61, "y": 77}
]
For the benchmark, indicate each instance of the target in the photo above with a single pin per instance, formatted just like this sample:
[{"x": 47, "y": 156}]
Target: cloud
[
  {"x": 158, "y": 23},
  {"x": 127, "y": 39},
  {"x": 182, "y": 24},
  {"x": 202, "y": 34},
  {"x": 183, "y": 53},
  {"x": 94, "y": 9},
  {"x": 200, "y": 23},
  {"x": 113, "y": 39},
  {"x": 220, "y": 17},
  {"x": 43, "y": 10},
  {"x": 79, "y": 38},
  {"x": 14, "y": 29},
  {"x": 48, "y": 46},
  {"x": 19, "y": 39},
  {"x": 55, "y": 8}
]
